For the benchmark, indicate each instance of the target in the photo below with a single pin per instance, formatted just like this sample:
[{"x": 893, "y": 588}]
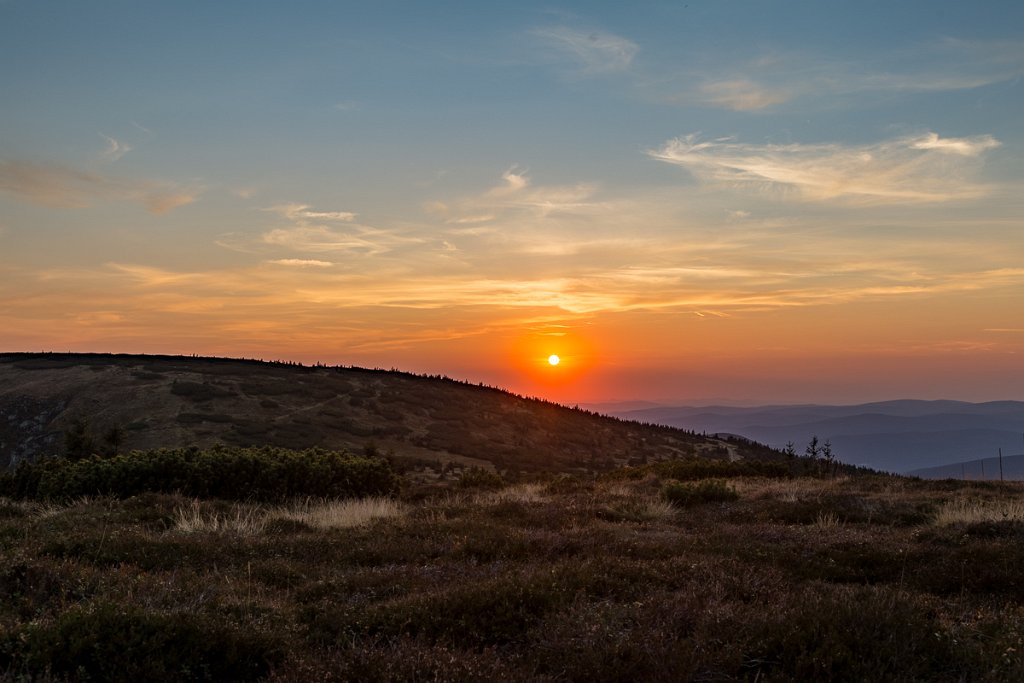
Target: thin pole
[
  {"x": 1000, "y": 464},
  {"x": 983, "y": 469}
]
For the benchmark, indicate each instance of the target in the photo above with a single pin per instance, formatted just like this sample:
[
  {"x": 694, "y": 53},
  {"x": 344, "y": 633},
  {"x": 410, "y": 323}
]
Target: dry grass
[
  {"x": 658, "y": 509},
  {"x": 827, "y": 521},
  {"x": 44, "y": 509},
  {"x": 523, "y": 493},
  {"x": 340, "y": 514},
  {"x": 249, "y": 520},
  {"x": 243, "y": 520},
  {"x": 966, "y": 511},
  {"x": 786, "y": 490}
]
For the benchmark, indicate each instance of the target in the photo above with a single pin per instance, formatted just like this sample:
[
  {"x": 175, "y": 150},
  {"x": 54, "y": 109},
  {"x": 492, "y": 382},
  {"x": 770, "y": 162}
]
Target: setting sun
[{"x": 554, "y": 360}]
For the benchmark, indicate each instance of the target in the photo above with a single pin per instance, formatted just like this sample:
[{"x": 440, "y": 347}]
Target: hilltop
[{"x": 428, "y": 421}]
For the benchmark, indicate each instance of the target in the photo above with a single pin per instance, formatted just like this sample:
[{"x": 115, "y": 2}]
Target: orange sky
[{"x": 686, "y": 202}]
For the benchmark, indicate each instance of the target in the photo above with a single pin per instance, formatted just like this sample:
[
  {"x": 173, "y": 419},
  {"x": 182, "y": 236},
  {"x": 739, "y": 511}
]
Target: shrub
[
  {"x": 262, "y": 474},
  {"x": 111, "y": 643},
  {"x": 478, "y": 478},
  {"x": 856, "y": 635},
  {"x": 695, "y": 493},
  {"x": 704, "y": 468}
]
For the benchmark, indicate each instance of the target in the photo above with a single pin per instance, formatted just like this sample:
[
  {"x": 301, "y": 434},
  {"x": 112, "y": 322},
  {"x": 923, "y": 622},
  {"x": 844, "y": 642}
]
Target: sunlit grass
[
  {"x": 966, "y": 511},
  {"x": 243, "y": 520},
  {"x": 340, "y": 514}
]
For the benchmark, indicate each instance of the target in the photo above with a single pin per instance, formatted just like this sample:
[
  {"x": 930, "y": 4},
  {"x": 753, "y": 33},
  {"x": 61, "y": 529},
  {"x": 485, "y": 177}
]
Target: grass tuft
[
  {"x": 243, "y": 520},
  {"x": 340, "y": 514},
  {"x": 965, "y": 511}
]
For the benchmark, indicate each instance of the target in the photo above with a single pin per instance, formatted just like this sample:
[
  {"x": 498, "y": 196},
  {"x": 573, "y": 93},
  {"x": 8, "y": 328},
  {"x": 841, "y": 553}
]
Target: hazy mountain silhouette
[
  {"x": 897, "y": 436},
  {"x": 170, "y": 401},
  {"x": 1011, "y": 469}
]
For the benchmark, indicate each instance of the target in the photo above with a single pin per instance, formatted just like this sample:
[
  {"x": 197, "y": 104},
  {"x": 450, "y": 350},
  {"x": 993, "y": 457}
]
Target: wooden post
[{"x": 1000, "y": 464}]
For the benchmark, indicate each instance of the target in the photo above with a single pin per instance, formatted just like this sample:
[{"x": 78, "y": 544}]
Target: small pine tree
[
  {"x": 813, "y": 452},
  {"x": 828, "y": 456},
  {"x": 78, "y": 440},
  {"x": 112, "y": 439}
]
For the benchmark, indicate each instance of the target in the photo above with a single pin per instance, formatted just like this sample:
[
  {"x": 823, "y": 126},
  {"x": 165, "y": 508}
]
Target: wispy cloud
[
  {"x": 923, "y": 168},
  {"x": 115, "y": 149},
  {"x": 594, "y": 52},
  {"x": 780, "y": 77},
  {"x": 303, "y": 212},
  {"x": 322, "y": 239},
  {"x": 66, "y": 187},
  {"x": 317, "y": 231},
  {"x": 742, "y": 94},
  {"x": 300, "y": 263},
  {"x": 162, "y": 202}
]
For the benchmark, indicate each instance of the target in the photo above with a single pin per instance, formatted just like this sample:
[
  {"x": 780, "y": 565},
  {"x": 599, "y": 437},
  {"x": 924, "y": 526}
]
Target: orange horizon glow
[{"x": 671, "y": 228}]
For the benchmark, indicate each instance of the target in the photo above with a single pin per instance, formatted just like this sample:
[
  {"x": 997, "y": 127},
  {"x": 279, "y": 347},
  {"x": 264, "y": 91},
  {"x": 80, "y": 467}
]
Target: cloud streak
[
  {"x": 70, "y": 188},
  {"x": 594, "y": 52},
  {"x": 779, "y": 77},
  {"x": 919, "y": 169}
]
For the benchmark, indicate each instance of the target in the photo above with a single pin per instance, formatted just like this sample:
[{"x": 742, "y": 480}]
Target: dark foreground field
[{"x": 866, "y": 578}]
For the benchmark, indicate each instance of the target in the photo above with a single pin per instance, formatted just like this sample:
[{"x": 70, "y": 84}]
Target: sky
[{"x": 745, "y": 201}]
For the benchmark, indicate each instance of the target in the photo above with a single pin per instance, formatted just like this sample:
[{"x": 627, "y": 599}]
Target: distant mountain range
[
  {"x": 174, "y": 401},
  {"x": 1010, "y": 469},
  {"x": 897, "y": 436}
]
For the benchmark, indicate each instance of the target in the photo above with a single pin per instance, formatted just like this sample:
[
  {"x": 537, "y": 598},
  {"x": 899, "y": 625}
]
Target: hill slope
[{"x": 167, "y": 401}]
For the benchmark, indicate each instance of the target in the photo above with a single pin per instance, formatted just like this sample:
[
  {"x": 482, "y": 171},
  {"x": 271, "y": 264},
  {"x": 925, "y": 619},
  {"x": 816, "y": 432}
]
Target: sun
[{"x": 554, "y": 360}]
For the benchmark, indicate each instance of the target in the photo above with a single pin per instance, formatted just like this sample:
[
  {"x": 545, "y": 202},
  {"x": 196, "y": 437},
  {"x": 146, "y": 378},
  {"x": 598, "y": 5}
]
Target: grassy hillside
[
  {"x": 429, "y": 422},
  {"x": 562, "y": 579}
]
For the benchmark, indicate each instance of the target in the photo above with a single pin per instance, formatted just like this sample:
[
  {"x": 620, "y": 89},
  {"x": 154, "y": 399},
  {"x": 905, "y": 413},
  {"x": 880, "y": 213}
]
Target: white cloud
[
  {"x": 924, "y": 168},
  {"x": 316, "y": 231},
  {"x": 593, "y": 51},
  {"x": 303, "y": 212},
  {"x": 968, "y": 147}
]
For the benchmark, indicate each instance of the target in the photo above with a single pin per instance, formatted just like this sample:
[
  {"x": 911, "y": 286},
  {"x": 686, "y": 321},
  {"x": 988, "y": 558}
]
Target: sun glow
[{"x": 554, "y": 359}]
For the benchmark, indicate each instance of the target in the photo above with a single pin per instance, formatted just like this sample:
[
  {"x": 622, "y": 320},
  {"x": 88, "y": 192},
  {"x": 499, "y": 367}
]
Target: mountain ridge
[{"x": 169, "y": 401}]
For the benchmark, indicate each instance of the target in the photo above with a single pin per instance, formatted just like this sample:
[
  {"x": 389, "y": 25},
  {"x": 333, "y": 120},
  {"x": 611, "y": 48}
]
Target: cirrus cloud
[
  {"x": 923, "y": 168},
  {"x": 593, "y": 51},
  {"x": 65, "y": 187}
]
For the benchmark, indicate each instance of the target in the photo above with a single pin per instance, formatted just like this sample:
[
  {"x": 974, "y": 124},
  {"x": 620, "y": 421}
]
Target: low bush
[
  {"x": 114, "y": 643},
  {"x": 703, "y": 468},
  {"x": 259, "y": 474},
  {"x": 687, "y": 494},
  {"x": 479, "y": 478}
]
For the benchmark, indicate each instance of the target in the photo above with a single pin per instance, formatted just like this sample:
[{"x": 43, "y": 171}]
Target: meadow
[{"x": 627, "y": 575}]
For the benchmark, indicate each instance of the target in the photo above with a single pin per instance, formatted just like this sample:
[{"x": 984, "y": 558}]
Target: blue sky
[{"x": 716, "y": 195}]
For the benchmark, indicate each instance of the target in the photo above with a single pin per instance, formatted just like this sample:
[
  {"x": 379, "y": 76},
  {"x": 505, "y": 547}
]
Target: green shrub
[
  {"x": 260, "y": 474},
  {"x": 857, "y": 635},
  {"x": 479, "y": 478},
  {"x": 703, "y": 468},
  {"x": 111, "y": 643},
  {"x": 694, "y": 493}
]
